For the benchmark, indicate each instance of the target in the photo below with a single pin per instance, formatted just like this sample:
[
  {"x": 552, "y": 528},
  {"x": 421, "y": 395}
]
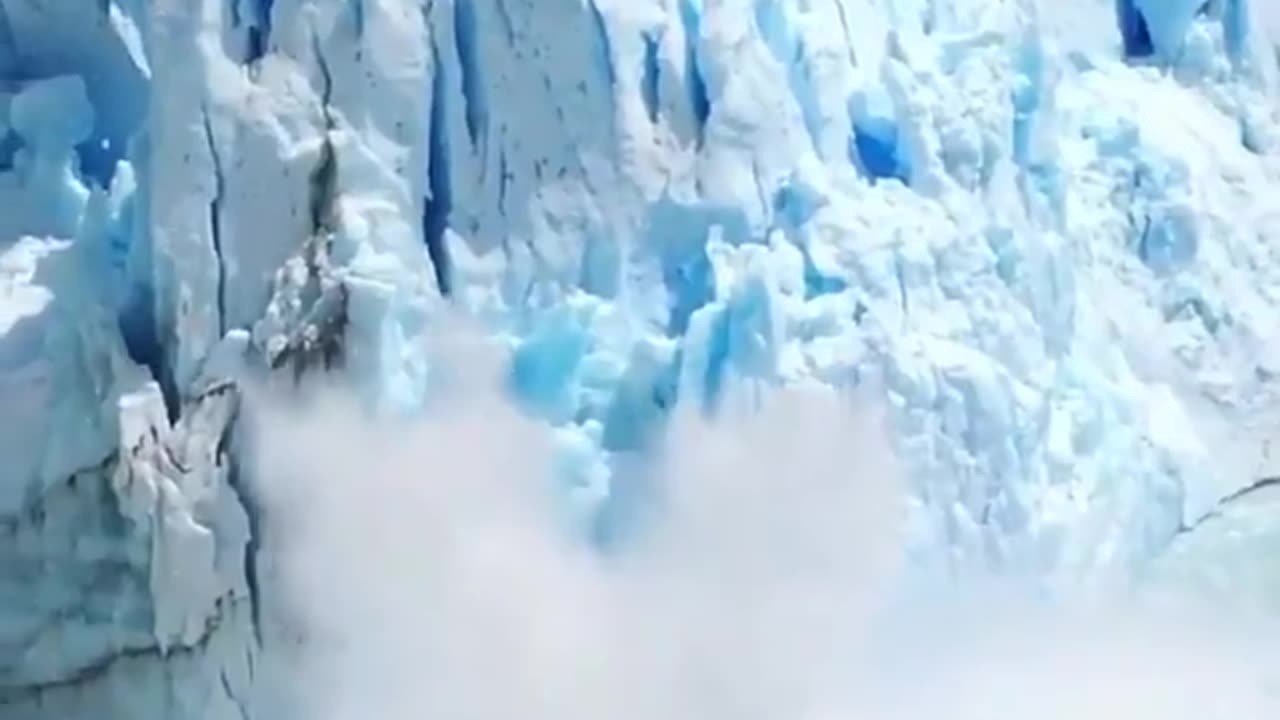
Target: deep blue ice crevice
[
  {"x": 215, "y": 221},
  {"x": 876, "y": 145},
  {"x": 107, "y": 232},
  {"x": 1156, "y": 27},
  {"x": 137, "y": 308},
  {"x": 258, "y": 27},
  {"x": 10, "y": 143},
  {"x": 603, "y": 46},
  {"x": 466, "y": 37},
  {"x": 1135, "y": 37},
  {"x": 438, "y": 204},
  {"x": 357, "y": 17},
  {"x": 650, "y": 79},
  {"x": 695, "y": 82},
  {"x": 141, "y": 334}
]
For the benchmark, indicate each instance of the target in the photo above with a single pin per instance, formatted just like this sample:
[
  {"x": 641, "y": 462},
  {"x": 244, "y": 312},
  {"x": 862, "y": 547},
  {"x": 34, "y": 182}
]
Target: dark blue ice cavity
[
  {"x": 649, "y": 81},
  {"x": 357, "y": 17},
  {"x": 1133, "y": 30},
  {"x": 604, "y": 46},
  {"x": 437, "y": 206},
  {"x": 699, "y": 99},
  {"x": 98, "y": 157},
  {"x": 259, "y": 36},
  {"x": 875, "y": 145},
  {"x": 10, "y": 144},
  {"x": 107, "y": 143},
  {"x": 879, "y": 153},
  {"x": 137, "y": 322}
]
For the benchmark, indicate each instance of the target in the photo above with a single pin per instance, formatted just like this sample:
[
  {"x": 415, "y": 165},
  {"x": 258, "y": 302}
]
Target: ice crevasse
[{"x": 1048, "y": 229}]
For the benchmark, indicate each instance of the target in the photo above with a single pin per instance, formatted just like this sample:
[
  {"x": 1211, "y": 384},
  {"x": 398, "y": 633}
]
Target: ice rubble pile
[{"x": 1050, "y": 230}]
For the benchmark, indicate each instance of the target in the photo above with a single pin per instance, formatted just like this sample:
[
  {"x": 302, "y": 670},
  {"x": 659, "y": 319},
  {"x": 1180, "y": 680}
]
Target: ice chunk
[
  {"x": 26, "y": 317},
  {"x": 43, "y": 191},
  {"x": 52, "y": 114},
  {"x": 127, "y": 527},
  {"x": 59, "y": 362},
  {"x": 1222, "y": 557}
]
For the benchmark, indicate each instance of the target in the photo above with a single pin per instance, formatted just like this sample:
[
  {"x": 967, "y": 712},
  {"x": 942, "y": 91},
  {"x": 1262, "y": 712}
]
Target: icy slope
[{"x": 1050, "y": 230}]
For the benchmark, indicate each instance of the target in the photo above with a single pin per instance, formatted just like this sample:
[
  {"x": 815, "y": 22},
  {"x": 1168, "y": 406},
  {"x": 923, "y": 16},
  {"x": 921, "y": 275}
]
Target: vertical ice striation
[{"x": 1054, "y": 244}]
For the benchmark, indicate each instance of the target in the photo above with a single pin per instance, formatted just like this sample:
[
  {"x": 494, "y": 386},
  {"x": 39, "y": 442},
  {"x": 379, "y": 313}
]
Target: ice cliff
[{"x": 1049, "y": 229}]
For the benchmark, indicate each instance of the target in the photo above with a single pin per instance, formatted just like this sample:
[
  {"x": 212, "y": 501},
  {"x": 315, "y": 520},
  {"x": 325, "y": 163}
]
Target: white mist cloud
[
  {"x": 1269, "y": 13},
  {"x": 429, "y": 577}
]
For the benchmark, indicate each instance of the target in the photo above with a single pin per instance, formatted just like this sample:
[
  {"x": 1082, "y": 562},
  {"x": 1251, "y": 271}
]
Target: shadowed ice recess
[{"x": 484, "y": 359}]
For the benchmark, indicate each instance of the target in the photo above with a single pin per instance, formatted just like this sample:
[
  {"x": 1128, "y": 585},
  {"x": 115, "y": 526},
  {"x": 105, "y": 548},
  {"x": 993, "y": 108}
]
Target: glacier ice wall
[{"x": 1048, "y": 231}]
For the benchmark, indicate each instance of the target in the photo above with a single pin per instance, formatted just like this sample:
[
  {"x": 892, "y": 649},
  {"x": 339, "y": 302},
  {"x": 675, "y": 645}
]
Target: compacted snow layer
[{"x": 1047, "y": 231}]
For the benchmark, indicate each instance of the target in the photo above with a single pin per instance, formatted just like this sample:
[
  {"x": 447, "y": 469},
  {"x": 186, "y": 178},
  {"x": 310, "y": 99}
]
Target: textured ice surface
[{"x": 1058, "y": 252}]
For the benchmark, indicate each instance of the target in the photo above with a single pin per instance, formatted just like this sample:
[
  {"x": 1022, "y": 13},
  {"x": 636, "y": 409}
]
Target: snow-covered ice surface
[{"x": 1048, "y": 231}]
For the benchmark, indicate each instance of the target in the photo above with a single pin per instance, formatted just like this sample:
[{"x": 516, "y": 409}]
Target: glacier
[{"x": 1046, "y": 231}]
